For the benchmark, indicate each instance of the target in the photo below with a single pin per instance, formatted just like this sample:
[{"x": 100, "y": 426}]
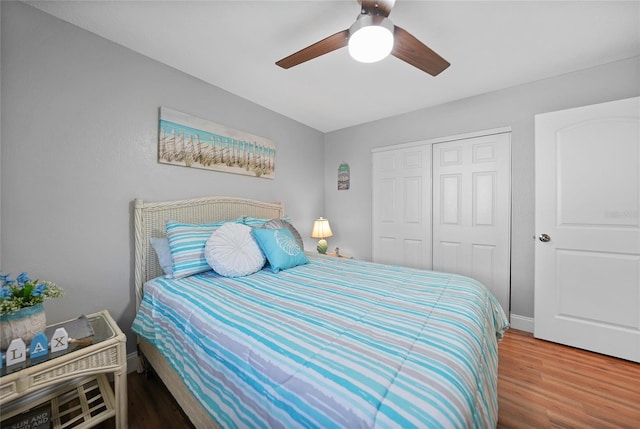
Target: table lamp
[{"x": 321, "y": 230}]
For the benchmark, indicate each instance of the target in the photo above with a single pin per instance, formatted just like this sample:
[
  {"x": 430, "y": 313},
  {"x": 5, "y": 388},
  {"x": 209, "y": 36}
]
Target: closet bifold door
[
  {"x": 471, "y": 210},
  {"x": 401, "y": 205},
  {"x": 446, "y": 205}
]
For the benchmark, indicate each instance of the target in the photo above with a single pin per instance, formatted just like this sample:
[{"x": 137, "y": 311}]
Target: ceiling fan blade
[
  {"x": 412, "y": 51},
  {"x": 377, "y": 7},
  {"x": 324, "y": 46}
]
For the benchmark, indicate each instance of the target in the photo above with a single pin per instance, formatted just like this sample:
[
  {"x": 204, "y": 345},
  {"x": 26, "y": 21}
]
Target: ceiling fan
[{"x": 389, "y": 38}]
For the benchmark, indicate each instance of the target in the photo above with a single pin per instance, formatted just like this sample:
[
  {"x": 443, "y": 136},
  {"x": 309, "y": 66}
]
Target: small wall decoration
[
  {"x": 189, "y": 141},
  {"x": 344, "y": 177}
]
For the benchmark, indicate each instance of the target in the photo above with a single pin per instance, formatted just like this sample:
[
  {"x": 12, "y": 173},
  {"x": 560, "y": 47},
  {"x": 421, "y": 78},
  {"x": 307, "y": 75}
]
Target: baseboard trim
[
  {"x": 522, "y": 323},
  {"x": 132, "y": 362}
]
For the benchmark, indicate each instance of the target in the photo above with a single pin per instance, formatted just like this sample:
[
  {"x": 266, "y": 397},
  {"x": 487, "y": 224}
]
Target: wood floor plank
[{"x": 547, "y": 385}]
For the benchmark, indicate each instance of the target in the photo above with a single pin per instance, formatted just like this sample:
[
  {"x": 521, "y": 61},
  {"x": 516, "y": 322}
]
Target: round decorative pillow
[
  {"x": 233, "y": 252},
  {"x": 283, "y": 224}
]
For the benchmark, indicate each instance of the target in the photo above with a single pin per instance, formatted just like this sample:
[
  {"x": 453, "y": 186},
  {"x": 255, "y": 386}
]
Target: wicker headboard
[{"x": 150, "y": 219}]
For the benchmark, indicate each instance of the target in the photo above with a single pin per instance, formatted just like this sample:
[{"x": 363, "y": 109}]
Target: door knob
[{"x": 544, "y": 238}]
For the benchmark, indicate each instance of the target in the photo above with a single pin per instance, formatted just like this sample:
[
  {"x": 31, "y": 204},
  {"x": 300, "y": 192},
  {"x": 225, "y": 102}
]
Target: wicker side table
[{"x": 74, "y": 382}]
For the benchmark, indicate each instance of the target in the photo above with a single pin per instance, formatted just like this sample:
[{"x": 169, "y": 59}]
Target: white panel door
[
  {"x": 402, "y": 206},
  {"x": 471, "y": 210},
  {"x": 587, "y": 257}
]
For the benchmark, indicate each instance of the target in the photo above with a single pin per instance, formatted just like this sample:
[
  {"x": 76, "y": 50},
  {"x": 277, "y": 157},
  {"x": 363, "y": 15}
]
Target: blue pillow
[
  {"x": 280, "y": 248},
  {"x": 163, "y": 252},
  {"x": 187, "y": 242},
  {"x": 284, "y": 224}
]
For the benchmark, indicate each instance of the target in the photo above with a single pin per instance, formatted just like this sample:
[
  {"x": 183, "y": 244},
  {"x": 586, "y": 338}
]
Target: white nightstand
[
  {"x": 73, "y": 381},
  {"x": 338, "y": 255}
]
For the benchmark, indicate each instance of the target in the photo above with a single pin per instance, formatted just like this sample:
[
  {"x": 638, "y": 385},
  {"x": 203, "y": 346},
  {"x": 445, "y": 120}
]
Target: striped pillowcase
[
  {"x": 187, "y": 242},
  {"x": 255, "y": 222}
]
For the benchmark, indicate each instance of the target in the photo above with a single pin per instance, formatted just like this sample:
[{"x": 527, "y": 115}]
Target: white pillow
[{"x": 233, "y": 252}]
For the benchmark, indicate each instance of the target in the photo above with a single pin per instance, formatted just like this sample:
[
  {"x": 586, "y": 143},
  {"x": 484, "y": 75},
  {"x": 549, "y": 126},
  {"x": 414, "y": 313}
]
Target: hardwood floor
[
  {"x": 547, "y": 385},
  {"x": 540, "y": 385},
  {"x": 151, "y": 405}
]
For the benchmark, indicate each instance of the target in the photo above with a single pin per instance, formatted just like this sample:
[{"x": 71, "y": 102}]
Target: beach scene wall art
[{"x": 190, "y": 141}]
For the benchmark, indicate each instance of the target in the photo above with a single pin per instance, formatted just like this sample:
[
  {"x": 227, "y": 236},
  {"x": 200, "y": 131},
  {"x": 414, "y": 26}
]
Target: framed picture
[{"x": 189, "y": 141}]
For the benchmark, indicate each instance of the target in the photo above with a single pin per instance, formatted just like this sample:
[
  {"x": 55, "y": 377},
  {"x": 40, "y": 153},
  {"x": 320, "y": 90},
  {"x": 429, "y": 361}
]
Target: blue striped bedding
[{"x": 333, "y": 343}]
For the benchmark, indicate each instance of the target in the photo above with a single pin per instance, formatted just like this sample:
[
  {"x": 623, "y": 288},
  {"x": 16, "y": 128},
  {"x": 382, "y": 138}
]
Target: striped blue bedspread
[{"x": 335, "y": 343}]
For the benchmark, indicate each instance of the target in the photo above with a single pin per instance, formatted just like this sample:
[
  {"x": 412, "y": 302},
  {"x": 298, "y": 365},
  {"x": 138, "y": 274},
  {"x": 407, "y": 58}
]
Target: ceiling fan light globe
[{"x": 370, "y": 41}]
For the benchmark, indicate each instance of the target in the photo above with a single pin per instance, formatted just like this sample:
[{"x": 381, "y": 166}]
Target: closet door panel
[
  {"x": 471, "y": 210},
  {"x": 401, "y": 204}
]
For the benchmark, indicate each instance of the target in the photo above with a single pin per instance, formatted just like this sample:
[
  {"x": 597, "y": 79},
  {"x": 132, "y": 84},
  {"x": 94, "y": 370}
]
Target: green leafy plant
[{"x": 24, "y": 292}]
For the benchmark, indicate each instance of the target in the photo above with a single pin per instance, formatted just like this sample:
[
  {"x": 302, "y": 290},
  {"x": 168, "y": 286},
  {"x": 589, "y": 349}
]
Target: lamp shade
[
  {"x": 370, "y": 38},
  {"x": 321, "y": 228}
]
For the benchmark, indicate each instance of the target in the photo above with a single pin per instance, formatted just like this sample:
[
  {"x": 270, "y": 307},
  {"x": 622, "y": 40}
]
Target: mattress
[{"x": 332, "y": 343}]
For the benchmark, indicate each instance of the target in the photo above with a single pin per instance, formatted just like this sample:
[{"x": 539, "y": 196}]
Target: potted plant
[{"x": 21, "y": 311}]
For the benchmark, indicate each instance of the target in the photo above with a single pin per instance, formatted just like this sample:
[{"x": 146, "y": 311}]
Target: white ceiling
[{"x": 490, "y": 45}]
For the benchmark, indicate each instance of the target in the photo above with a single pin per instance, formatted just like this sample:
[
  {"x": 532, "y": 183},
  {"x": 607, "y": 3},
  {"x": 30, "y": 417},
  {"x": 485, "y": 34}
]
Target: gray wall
[
  {"x": 79, "y": 143},
  {"x": 350, "y": 211}
]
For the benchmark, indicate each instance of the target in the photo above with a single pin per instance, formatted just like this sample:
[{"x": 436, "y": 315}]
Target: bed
[{"x": 332, "y": 342}]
